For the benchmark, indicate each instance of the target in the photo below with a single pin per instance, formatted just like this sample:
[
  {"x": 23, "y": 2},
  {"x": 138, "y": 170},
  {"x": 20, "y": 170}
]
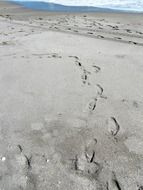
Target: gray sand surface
[{"x": 71, "y": 100}]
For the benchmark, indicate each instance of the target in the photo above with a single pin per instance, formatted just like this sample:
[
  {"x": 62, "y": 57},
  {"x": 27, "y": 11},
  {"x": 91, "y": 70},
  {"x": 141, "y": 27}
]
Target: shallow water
[{"x": 84, "y": 6}]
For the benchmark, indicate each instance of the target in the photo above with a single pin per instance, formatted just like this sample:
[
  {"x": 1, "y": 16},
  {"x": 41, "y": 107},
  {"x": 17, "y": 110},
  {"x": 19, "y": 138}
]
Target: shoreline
[
  {"x": 52, "y": 7},
  {"x": 16, "y": 9}
]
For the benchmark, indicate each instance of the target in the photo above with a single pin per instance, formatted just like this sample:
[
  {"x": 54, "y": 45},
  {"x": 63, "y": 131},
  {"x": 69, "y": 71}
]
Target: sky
[{"x": 136, "y": 5}]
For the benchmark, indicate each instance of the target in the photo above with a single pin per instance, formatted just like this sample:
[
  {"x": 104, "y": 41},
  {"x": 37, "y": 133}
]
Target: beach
[{"x": 71, "y": 100}]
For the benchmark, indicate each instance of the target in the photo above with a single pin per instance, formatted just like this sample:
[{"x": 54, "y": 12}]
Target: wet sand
[{"x": 71, "y": 103}]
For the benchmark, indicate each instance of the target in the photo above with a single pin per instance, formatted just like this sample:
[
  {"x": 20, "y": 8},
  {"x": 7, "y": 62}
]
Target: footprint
[
  {"x": 24, "y": 159},
  {"x": 97, "y": 68},
  {"x": 99, "y": 36},
  {"x": 4, "y": 43},
  {"x": 84, "y": 77},
  {"x": 55, "y": 55},
  {"x": 90, "y": 33},
  {"x": 79, "y": 63},
  {"x": 140, "y": 188},
  {"x": 76, "y": 60},
  {"x": 135, "y": 104},
  {"x": 139, "y": 32},
  {"x": 75, "y": 31},
  {"x": 118, "y": 38},
  {"x": 89, "y": 169},
  {"x": 101, "y": 89},
  {"x": 113, "y": 184},
  {"x": 131, "y": 42},
  {"x": 115, "y": 27},
  {"x": 72, "y": 56},
  {"x": 92, "y": 104},
  {"x": 40, "y": 18},
  {"x": 90, "y": 150},
  {"x": 109, "y": 25},
  {"x": 113, "y": 126},
  {"x": 128, "y": 30},
  {"x": 85, "y": 73},
  {"x": 83, "y": 167}
]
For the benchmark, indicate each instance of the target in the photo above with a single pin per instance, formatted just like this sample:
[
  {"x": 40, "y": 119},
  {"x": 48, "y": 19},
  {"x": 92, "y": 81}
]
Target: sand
[{"x": 71, "y": 100}]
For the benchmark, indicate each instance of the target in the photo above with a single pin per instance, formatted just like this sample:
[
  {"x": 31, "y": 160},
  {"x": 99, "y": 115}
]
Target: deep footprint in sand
[
  {"x": 140, "y": 188},
  {"x": 118, "y": 38},
  {"x": 26, "y": 159},
  {"x": 79, "y": 63},
  {"x": 101, "y": 89},
  {"x": 55, "y": 55},
  {"x": 90, "y": 150},
  {"x": 131, "y": 42},
  {"x": 85, "y": 164},
  {"x": 74, "y": 56},
  {"x": 113, "y": 184},
  {"x": 87, "y": 168},
  {"x": 84, "y": 77},
  {"x": 91, "y": 33},
  {"x": 113, "y": 126},
  {"x": 99, "y": 36},
  {"x": 96, "y": 68},
  {"x": 92, "y": 104}
]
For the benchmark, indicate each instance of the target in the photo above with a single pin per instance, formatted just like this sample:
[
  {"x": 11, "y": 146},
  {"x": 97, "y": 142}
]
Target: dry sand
[{"x": 71, "y": 100}]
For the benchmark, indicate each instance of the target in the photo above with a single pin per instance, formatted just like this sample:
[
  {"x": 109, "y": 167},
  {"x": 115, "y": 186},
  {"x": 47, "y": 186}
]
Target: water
[{"x": 84, "y": 5}]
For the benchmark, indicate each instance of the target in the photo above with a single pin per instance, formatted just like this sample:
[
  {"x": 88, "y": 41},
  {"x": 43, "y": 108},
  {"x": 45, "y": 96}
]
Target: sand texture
[{"x": 71, "y": 100}]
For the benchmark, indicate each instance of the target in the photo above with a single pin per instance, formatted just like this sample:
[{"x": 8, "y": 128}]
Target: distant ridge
[{"x": 53, "y": 7}]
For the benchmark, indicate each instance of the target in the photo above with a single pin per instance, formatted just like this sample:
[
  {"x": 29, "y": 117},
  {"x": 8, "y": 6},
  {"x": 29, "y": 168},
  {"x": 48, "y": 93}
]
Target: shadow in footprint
[
  {"x": 113, "y": 126},
  {"x": 97, "y": 68},
  {"x": 90, "y": 33},
  {"x": 99, "y": 36},
  {"x": 86, "y": 164},
  {"x": 113, "y": 184}
]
